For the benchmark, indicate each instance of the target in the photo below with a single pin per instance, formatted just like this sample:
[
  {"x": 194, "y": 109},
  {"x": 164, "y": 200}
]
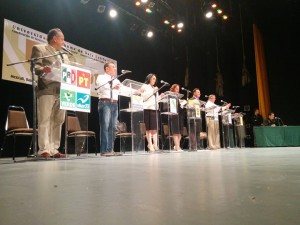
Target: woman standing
[
  {"x": 151, "y": 114},
  {"x": 176, "y": 121}
]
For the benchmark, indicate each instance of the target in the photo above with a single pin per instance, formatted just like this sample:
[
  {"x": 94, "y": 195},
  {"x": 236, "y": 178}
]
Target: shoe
[
  {"x": 150, "y": 148},
  {"x": 45, "y": 155},
  {"x": 107, "y": 154},
  {"x": 59, "y": 155}
]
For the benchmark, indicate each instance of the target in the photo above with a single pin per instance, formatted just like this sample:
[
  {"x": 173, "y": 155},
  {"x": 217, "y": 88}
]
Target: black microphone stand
[{"x": 32, "y": 67}]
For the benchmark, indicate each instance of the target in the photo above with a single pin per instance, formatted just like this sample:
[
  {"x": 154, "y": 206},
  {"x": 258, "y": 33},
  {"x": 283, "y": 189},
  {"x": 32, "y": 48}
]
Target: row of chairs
[{"x": 17, "y": 125}]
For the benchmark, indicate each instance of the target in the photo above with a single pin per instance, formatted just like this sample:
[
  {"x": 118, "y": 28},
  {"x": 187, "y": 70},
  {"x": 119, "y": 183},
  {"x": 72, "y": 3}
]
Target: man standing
[
  {"x": 195, "y": 119},
  {"x": 50, "y": 116},
  {"x": 108, "y": 108},
  {"x": 212, "y": 122}
]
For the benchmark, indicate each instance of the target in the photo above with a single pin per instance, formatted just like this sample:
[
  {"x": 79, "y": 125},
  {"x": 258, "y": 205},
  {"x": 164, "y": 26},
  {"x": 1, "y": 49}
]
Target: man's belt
[{"x": 108, "y": 100}]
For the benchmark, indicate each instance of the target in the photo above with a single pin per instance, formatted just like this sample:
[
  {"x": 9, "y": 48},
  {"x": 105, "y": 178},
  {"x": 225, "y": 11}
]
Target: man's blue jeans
[{"x": 108, "y": 115}]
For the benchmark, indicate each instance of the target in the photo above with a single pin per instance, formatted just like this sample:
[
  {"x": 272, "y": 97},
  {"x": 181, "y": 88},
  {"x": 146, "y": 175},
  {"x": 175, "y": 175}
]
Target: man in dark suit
[{"x": 50, "y": 116}]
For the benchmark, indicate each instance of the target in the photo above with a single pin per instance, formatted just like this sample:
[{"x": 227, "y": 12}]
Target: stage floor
[{"x": 223, "y": 187}]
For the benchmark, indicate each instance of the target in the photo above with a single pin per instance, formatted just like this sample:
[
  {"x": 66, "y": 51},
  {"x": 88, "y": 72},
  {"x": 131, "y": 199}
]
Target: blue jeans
[{"x": 108, "y": 115}]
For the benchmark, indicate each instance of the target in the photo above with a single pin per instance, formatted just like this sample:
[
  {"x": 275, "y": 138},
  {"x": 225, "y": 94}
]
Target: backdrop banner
[{"x": 18, "y": 41}]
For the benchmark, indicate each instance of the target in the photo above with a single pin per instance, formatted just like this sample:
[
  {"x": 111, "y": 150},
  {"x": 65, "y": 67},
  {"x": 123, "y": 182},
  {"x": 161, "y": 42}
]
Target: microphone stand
[{"x": 34, "y": 85}]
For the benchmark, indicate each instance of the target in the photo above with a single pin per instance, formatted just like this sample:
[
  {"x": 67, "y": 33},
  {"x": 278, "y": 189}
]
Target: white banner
[{"x": 18, "y": 41}]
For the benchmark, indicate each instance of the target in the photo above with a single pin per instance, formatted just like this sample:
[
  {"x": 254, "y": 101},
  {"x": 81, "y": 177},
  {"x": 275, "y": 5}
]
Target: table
[{"x": 267, "y": 136}]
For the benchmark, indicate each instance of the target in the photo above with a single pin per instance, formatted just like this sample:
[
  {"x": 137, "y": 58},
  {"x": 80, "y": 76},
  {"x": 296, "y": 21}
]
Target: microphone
[
  {"x": 206, "y": 96},
  {"x": 125, "y": 71},
  {"x": 277, "y": 118},
  {"x": 66, "y": 50},
  {"x": 185, "y": 89},
  {"x": 236, "y": 106},
  {"x": 223, "y": 101},
  {"x": 164, "y": 82}
]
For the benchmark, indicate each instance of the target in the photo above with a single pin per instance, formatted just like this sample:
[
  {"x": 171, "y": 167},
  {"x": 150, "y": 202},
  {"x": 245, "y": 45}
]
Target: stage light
[
  {"x": 137, "y": 3},
  {"x": 224, "y": 17},
  {"x": 149, "y": 11},
  {"x": 101, "y": 8},
  {"x": 173, "y": 26},
  {"x": 150, "y": 34},
  {"x": 113, "y": 13},
  {"x": 179, "y": 30},
  {"x": 219, "y": 11},
  {"x": 144, "y": 1},
  {"x": 214, "y": 5},
  {"x": 167, "y": 22},
  {"x": 180, "y": 25},
  {"x": 209, "y": 14}
]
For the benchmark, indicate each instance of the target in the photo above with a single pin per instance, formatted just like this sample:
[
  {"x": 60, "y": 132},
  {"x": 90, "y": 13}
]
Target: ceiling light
[
  {"x": 149, "y": 34},
  {"x": 148, "y": 10},
  {"x": 209, "y": 14},
  {"x": 180, "y": 25},
  {"x": 113, "y": 13}
]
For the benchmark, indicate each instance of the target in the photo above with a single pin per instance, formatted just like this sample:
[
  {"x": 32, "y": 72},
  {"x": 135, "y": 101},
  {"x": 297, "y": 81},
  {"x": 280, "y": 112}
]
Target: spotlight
[
  {"x": 179, "y": 30},
  {"x": 84, "y": 1},
  {"x": 224, "y": 17},
  {"x": 214, "y": 5},
  {"x": 149, "y": 11},
  {"x": 113, "y": 13},
  {"x": 219, "y": 11},
  {"x": 209, "y": 14},
  {"x": 101, "y": 8},
  {"x": 167, "y": 22},
  {"x": 137, "y": 3},
  {"x": 173, "y": 26},
  {"x": 149, "y": 34},
  {"x": 180, "y": 25},
  {"x": 144, "y": 1}
]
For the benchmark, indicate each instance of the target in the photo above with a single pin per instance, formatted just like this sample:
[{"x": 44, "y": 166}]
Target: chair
[
  {"x": 167, "y": 136},
  {"x": 122, "y": 133},
  {"x": 16, "y": 125},
  {"x": 74, "y": 131},
  {"x": 184, "y": 137}
]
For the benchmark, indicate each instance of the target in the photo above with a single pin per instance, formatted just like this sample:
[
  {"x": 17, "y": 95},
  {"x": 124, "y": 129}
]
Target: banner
[
  {"x": 18, "y": 41},
  {"x": 75, "y": 88}
]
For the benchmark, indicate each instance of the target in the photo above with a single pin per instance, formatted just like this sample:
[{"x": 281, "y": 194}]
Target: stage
[{"x": 222, "y": 187}]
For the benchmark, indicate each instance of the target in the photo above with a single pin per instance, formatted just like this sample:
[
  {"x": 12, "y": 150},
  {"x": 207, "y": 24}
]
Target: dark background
[{"x": 169, "y": 53}]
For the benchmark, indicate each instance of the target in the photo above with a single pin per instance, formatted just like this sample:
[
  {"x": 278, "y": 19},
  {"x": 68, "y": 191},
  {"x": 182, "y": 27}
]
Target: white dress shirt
[
  {"x": 149, "y": 103},
  {"x": 104, "y": 90}
]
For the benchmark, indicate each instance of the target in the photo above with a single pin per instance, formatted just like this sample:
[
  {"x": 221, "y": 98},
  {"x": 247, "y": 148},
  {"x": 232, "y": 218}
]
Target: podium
[
  {"x": 132, "y": 115},
  {"x": 75, "y": 98},
  {"x": 227, "y": 129},
  {"x": 239, "y": 130},
  {"x": 169, "y": 110},
  {"x": 194, "y": 122}
]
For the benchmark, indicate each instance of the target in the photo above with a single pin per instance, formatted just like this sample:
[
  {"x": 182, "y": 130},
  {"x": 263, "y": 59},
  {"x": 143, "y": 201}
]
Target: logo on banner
[
  {"x": 67, "y": 98},
  {"x": 83, "y": 101},
  {"x": 84, "y": 79},
  {"x": 68, "y": 75}
]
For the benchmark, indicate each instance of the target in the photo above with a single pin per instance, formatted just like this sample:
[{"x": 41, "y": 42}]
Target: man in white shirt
[
  {"x": 108, "y": 107},
  {"x": 212, "y": 122}
]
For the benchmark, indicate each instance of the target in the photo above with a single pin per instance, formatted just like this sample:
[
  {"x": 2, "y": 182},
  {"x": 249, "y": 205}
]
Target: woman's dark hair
[{"x": 148, "y": 78}]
